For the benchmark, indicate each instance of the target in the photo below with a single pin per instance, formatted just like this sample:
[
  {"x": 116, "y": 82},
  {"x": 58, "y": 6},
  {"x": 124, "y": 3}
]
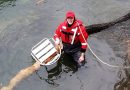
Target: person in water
[{"x": 73, "y": 35}]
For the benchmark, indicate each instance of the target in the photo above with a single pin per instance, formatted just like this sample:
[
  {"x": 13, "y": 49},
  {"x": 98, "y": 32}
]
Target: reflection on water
[
  {"x": 65, "y": 65},
  {"x": 6, "y": 3}
]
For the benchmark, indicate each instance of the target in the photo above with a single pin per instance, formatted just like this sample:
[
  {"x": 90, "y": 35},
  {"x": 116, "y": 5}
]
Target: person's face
[{"x": 70, "y": 20}]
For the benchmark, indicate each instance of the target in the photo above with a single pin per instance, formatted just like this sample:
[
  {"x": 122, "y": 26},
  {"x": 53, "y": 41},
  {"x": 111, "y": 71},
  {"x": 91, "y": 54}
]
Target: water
[
  {"x": 23, "y": 23},
  {"x": 6, "y": 3}
]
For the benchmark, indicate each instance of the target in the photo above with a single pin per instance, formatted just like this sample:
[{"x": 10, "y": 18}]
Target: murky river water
[{"x": 23, "y": 23}]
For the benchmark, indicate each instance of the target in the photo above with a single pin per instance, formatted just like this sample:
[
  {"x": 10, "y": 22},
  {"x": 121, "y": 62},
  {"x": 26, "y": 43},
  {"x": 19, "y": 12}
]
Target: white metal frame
[{"x": 43, "y": 50}]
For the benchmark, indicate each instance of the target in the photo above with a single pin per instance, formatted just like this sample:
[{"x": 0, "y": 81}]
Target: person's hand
[
  {"x": 57, "y": 47},
  {"x": 81, "y": 59}
]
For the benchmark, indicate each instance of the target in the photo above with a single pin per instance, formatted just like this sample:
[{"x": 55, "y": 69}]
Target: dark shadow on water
[
  {"x": 7, "y": 3},
  {"x": 65, "y": 65}
]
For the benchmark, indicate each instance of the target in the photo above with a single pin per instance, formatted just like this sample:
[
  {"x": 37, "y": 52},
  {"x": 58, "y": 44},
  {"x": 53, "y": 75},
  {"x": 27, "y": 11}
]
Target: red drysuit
[{"x": 65, "y": 33}]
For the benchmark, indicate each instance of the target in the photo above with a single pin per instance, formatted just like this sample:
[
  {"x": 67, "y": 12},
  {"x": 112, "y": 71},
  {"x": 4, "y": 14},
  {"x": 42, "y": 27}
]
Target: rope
[
  {"x": 109, "y": 65},
  {"x": 113, "y": 66}
]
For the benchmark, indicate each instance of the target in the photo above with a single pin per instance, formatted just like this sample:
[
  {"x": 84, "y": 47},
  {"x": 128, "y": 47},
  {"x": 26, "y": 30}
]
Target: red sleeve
[
  {"x": 83, "y": 38},
  {"x": 57, "y": 34}
]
